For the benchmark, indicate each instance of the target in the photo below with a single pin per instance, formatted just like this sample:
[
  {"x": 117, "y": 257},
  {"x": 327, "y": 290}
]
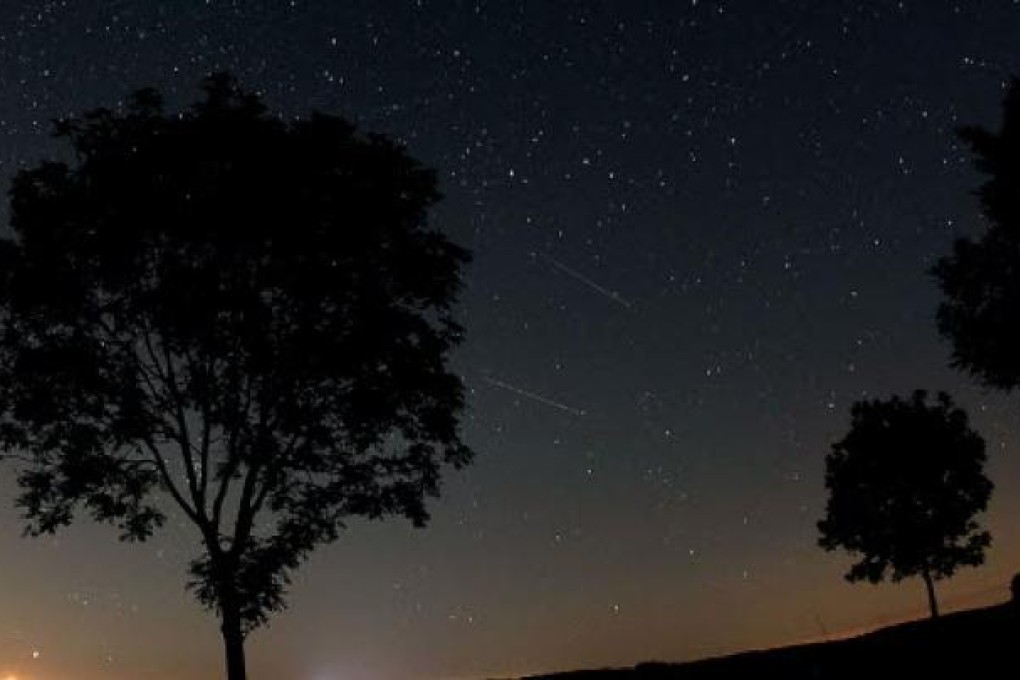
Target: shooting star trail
[
  {"x": 612, "y": 295},
  {"x": 534, "y": 397}
]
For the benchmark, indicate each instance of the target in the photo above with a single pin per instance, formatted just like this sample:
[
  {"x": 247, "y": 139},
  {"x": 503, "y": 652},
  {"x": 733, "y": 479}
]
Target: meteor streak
[
  {"x": 535, "y": 397},
  {"x": 611, "y": 294}
]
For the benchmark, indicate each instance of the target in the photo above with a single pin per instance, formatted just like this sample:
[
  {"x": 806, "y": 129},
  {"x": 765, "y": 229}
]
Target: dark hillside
[{"x": 979, "y": 643}]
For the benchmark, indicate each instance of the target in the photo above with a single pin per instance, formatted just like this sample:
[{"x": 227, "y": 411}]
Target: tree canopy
[
  {"x": 904, "y": 487},
  {"x": 245, "y": 317},
  {"x": 980, "y": 280}
]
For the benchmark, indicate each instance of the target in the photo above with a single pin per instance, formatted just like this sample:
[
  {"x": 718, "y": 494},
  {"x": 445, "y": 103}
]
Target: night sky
[{"x": 701, "y": 231}]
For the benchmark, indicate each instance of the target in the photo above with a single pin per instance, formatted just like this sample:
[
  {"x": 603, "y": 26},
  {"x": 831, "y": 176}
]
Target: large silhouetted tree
[
  {"x": 980, "y": 312},
  {"x": 244, "y": 317},
  {"x": 904, "y": 486}
]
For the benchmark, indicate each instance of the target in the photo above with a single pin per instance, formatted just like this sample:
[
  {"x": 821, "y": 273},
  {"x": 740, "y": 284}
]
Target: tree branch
[
  {"x": 168, "y": 482},
  {"x": 249, "y": 505},
  {"x": 235, "y": 457},
  {"x": 184, "y": 435},
  {"x": 206, "y": 444},
  {"x": 246, "y": 510}
]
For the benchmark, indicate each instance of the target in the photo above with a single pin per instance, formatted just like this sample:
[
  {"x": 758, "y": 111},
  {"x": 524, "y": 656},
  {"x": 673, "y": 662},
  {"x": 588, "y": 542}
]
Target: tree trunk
[
  {"x": 930, "y": 585},
  {"x": 233, "y": 639}
]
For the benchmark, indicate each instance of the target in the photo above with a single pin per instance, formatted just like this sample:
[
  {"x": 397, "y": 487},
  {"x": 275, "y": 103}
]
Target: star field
[{"x": 701, "y": 230}]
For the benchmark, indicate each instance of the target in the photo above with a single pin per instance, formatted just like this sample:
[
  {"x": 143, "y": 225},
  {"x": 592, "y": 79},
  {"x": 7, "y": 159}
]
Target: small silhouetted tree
[
  {"x": 980, "y": 280},
  {"x": 240, "y": 316},
  {"x": 904, "y": 486}
]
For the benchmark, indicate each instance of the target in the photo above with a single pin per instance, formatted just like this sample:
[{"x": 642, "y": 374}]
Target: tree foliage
[
  {"x": 246, "y": 317},
  {"x": 904, "y": 487},
  {"x": 980, "y": 280}
]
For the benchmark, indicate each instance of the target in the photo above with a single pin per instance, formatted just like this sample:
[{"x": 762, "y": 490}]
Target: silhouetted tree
[
  {"x": 244, "y": 317},
  {"x": 904, "y": 486},
  {"x": 980, "y": 313}
]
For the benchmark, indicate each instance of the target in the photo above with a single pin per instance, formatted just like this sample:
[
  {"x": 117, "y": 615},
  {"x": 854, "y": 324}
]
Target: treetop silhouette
[
  {"x": 904, "y": 486},
  {"x": 980, "y": 280},
  {"x": 243, "y": 317}
]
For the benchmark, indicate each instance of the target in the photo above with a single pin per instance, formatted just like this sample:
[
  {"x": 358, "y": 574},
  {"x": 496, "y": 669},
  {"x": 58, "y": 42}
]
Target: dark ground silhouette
[{"x": 978, "y": 643}]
